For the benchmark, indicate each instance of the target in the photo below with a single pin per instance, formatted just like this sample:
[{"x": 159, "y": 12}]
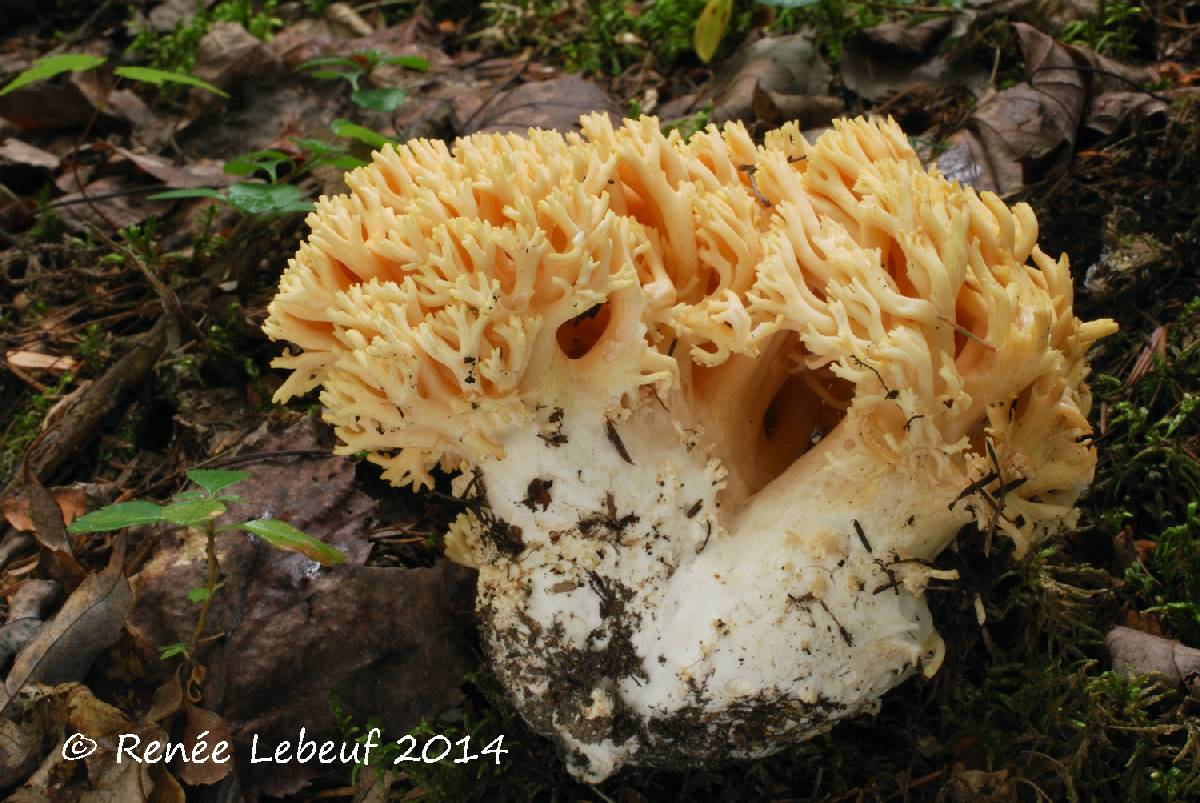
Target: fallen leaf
[
  {"x": 25, "y": 169},
  {"x": 108, "y": 203},
  {"x": 786, "y": 65},
  {"x": 26, "y": 614},
  {"x": 71, "y": 709},
  {"x": 773, "y": 109},
  {"x": 37, "y": 361},
  {"x": 1045, "y": 15},
  {"x": 72, "y": 501},
  {"x": 1013, "y": 139},
  {"x": 555, "y": 104},
  {"x": 344, "y": 15},
  {"x": 89, "y": 621},
  {"x": 167, "y": 699},
  {"x": 1138, "y": 653},
  {"x": 166, "y": 15},
  {"x": 879, "y": 61},
  {"x": 196, "y": 173},
  {"x": 227, "y": 51},
  {"x": 207, "y": 727}
]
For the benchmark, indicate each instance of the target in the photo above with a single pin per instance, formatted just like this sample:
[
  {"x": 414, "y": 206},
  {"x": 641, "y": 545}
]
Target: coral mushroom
[{"x": 715, "y": 407}]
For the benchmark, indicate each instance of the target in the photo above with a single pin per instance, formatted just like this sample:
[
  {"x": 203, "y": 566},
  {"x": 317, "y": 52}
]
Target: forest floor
[{"x": 146, "y": 215}]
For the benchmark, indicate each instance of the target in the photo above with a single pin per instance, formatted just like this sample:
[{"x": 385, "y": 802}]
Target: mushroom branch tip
[{"x": 715, "y": 407}]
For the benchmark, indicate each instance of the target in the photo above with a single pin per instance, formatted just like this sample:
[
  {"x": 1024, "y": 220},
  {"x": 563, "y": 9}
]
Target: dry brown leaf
[
  {"x": 108, "y": 203},
  {"x": 343, "y": 14},
  {"x": 1013, "y": 139},
  {"x": 26, "y": 613},
  {"x": 72, "y": 501},
  {"x": 787, "y": 65},
  {"x": 207, "y": 727},
  {"x": 773, "y": 109},
  {"x": 196, "y": 173},
  {"x": 882, "y": 60},
  {"x": 167, "y": 699},
  {"x": 555, "y": 104},
  {"x": 53, "y": 105},
  {"x": 1138, "y": 653},
  {"x": 25, "y": 169},
  {"x": 166, "y": 15},
  {"x": 73, "y": 709},
  {"x": 32, "y": 721},
  {"x": 48, "y": 526},
  {"x": 89, "y": 621},
  {"x": 37, "y": 361}
]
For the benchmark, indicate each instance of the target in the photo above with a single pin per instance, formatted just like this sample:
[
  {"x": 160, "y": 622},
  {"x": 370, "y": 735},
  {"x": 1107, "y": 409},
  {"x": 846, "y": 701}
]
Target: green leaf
[
  {"x": 267, "y": 161},
  {"x": 216, "y": 479},
  {"x": 710, "y": 27},
  {"x": 350, "y": 77},
  {"x": 282, "y": 535},
  {"x": 268, "y": 199},
  {"x": 115, "y": 517},
  {"x": 198, "y": 595},
  {"x": 193, "y": 511},
  {"x": 789, "y": 3},
  {"x": 409, "y": 62},
  {"x": 316, "y": 146},
  {"x": 190, "y": 192},
  {"x": 325, "y": 154},
  {"x": 325, "y": 61},
  {"x": 171, "y": 650},
  {"x": 380, "y": 100},
  {"x": 149, "y": 75},
  {"x": 345, "y": 162},
  {"x": 50, "y": 66},
  {"x": 345, "y": 128}
]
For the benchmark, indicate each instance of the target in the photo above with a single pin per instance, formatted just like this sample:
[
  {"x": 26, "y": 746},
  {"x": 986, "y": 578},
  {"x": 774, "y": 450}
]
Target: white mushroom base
[{"x": 631, "y": 627}]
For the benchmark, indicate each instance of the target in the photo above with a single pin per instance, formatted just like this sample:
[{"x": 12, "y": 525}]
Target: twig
[
  {"x": 250, "y": 457},
  {"x": 210, "y": 586}
]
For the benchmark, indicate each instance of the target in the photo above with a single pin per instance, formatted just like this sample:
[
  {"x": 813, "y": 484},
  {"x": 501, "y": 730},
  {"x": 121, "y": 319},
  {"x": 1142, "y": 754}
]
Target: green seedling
[
  {"x": 358, "y": 66},
  {"x": 202, "y": 508},
  {"x": 277, "y": 196}
]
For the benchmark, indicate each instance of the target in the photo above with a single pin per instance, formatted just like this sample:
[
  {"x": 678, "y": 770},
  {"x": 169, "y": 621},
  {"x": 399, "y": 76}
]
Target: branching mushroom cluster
[{"x": 715, "y": 408}]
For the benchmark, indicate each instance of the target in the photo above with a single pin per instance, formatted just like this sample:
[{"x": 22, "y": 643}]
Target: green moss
[
  {"x": 175, "y": 50},
  {"x": 600, "y": 36},
  {"x": 1148, "y": 481},
  {"x": 22, "y": 425}
]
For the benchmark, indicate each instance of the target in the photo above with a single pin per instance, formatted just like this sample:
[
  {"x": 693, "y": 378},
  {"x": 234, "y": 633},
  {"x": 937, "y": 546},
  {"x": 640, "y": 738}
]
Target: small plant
[
  {"x": 201, "y": 508},
  {"x": 1111, "y": 31},
  {"x": 278, "y": 195},
  {"x": 355, "y": 68}
]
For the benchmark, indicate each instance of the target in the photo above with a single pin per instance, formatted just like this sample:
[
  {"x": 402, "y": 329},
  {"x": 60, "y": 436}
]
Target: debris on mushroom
[{"x": 715, "y": 407}]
